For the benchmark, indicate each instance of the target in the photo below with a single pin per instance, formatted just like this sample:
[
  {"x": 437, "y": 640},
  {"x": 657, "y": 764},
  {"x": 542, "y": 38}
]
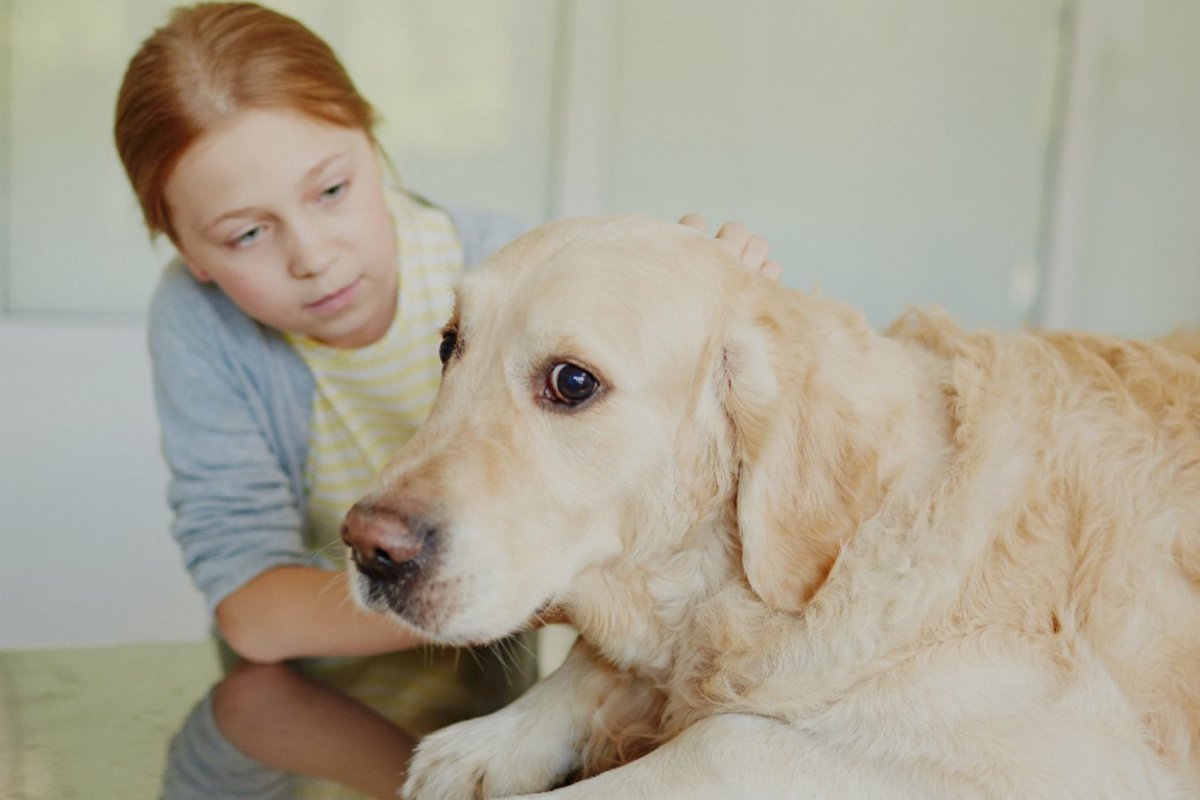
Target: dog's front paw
[{"x": 499, "y": 755}]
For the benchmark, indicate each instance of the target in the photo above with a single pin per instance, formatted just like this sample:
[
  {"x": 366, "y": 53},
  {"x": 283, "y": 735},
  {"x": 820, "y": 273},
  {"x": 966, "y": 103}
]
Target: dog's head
[{"x": 610, "y": 383}]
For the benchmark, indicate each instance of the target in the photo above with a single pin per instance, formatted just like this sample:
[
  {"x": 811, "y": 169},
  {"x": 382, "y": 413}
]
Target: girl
[{"x": 294, "y": 345}]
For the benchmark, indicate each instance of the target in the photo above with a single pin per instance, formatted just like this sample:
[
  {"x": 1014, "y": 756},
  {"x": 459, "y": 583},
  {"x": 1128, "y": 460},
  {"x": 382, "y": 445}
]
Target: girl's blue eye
[
  {"x": 249, "y": 237},
  {"x": 335, "y": 191}
]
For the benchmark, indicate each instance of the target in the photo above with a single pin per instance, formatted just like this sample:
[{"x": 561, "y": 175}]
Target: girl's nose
[
  {"x": 308, "y": 264},
  {"x": 311, "y": 252}
]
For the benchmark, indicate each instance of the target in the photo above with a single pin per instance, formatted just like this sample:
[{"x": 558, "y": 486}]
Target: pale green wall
[
  {"x": 894, "y": 152},
  {"x": 1140, "y": 261}
]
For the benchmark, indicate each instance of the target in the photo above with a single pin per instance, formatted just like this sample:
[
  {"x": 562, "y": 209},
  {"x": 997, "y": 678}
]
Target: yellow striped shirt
[{"x": 367, "y": 404}]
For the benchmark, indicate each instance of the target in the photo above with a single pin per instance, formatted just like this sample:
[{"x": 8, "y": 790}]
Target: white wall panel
[{"x": 85, "y": 553}]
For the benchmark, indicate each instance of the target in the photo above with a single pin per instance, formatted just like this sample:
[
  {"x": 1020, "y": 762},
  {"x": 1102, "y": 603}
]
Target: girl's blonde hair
[{"x": 210, "y": 61}]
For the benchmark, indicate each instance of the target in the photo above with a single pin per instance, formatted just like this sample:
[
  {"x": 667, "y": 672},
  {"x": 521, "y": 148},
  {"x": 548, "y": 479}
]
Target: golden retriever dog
[{"x": 806, "y": 559}]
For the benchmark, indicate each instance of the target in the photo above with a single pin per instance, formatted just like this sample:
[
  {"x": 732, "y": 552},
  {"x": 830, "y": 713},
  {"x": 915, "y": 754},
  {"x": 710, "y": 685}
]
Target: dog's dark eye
[
  {"x": 571, "y": 385},
  {"x": 448, "y": 346}
]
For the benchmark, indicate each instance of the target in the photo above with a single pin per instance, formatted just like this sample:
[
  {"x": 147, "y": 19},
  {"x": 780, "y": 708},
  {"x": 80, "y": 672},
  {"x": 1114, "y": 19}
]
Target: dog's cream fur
[{"x": 806, "y": 560}]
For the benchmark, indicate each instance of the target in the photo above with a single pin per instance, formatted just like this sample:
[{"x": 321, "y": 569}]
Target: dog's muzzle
[{"x": 390, "y": 548}]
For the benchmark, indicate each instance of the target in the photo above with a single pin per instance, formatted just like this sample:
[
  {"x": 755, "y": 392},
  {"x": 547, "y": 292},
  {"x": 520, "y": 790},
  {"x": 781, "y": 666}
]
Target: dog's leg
[
  {"x": 991, "y": 729},
  {"x": 741, "y": 757},
  {"x": 534, "y": 743}
]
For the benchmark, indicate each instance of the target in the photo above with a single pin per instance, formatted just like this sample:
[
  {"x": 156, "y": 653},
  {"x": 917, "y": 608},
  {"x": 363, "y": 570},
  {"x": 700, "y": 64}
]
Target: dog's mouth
[
  {"x": 421, "y": 600},
  {"x": 410, "y": 595},
  {"x": 391, "y": 592}
]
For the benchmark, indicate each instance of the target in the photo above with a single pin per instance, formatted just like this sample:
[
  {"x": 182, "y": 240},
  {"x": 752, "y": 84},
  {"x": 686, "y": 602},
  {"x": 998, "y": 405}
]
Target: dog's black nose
[{"x": 386, "y": 543}]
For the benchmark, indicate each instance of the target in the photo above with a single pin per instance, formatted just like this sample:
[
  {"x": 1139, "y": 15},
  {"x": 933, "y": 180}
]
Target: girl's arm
[
  {"x": 294, "y": 611},
  {"x": 229, "y": 423}
]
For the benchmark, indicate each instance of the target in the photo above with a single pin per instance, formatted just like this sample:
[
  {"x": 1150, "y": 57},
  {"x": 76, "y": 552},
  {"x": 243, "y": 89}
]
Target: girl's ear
[{"x": 197, "y": 272}]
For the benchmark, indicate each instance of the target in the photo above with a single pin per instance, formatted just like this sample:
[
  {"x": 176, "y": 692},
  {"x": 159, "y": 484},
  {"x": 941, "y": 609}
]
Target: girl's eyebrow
[
  {"x": 309, "y": 174},
  {"x": 237, "y": 212},
  {"x": 320, "y": 166}
]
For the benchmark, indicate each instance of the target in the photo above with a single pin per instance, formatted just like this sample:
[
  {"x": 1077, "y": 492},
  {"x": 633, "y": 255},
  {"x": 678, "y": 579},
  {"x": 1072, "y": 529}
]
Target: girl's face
[{"x": 286, "y": 214}]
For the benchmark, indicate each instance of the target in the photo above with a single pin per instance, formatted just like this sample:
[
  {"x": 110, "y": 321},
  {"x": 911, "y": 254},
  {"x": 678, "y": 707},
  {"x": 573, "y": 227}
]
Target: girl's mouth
[{"x": 336, "y": 301}]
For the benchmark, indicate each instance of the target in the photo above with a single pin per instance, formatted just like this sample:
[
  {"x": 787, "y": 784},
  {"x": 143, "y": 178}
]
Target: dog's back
[{"x": 1104, "y": 556}]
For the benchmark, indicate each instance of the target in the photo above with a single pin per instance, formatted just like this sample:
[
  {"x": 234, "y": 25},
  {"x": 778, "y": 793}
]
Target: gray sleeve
[
  {"x": 482, "y": 233},
  {"x": 235, "y": 509}
]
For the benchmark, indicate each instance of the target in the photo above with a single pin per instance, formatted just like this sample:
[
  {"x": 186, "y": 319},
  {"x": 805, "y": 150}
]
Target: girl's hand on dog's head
[{"x": 751, "y": 250}]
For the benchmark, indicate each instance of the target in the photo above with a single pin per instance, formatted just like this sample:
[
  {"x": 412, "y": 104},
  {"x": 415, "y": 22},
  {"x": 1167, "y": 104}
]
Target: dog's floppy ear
[{"x": 797, "y": 484}]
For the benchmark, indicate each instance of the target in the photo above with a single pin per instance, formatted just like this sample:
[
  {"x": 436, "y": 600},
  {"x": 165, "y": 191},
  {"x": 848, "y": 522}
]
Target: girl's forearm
[{"x": 293, "y": 612}]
